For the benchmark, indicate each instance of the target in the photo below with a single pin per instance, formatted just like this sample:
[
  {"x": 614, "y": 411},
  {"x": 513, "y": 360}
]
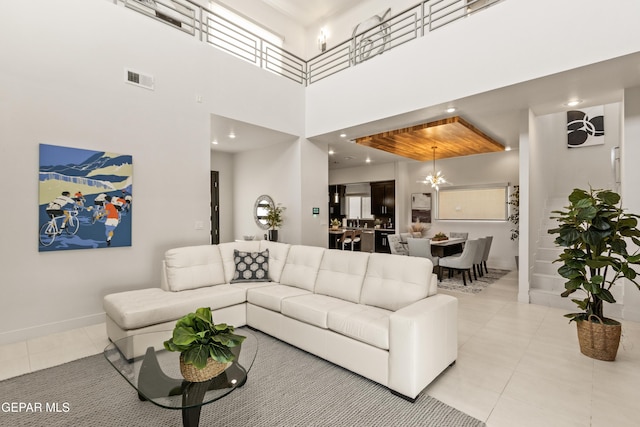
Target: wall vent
[{"x": 136, "y": 78}]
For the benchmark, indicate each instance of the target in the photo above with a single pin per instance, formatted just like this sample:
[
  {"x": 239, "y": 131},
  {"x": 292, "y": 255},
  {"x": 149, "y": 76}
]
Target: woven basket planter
[
  {"x": 212, "y": 369},
  {"x": 599, "y": 340}
]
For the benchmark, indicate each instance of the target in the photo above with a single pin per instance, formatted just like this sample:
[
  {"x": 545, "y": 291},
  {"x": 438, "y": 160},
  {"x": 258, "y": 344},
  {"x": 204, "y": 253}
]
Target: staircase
[{"x": 546, "y": 283}]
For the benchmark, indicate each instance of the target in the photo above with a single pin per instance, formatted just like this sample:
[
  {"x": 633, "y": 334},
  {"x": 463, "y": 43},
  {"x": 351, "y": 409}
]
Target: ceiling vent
[{"x": 138, "y": 79}]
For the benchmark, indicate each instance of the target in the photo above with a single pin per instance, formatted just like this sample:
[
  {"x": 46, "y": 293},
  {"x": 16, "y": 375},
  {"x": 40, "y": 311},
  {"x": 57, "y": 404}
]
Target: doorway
[{"x": 215, "y": 208}]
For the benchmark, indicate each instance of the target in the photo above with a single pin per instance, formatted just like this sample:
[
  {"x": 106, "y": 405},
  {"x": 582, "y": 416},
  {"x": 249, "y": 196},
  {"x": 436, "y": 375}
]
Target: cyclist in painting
[
  {"x": 61, "y": 206},
  {"x": 79, "y": 198},
  {"x": 113, "y": 218}
]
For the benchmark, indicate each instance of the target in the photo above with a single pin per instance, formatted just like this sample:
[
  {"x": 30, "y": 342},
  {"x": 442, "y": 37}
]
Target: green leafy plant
[
  {"x": 198, "y": 338},
  {"x": 439, "y": 236},
  {"x": 514, "y": 201},
  {"x": 335, "y": 222},
  {"x": 594, "y": 230},
  {"x": 274, "y": 216}
]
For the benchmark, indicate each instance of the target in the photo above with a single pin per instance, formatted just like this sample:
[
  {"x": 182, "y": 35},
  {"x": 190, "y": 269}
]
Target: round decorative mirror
[{"x": 260, "y": 209}]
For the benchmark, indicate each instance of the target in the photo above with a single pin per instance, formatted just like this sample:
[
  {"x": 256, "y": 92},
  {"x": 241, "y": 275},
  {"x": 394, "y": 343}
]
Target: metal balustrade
[{"x": 381, "y": 36}]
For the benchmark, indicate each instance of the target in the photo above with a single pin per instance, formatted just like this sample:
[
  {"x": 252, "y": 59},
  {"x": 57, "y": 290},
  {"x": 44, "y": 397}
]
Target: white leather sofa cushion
[
  {"x": 341, "y": 274},
  {"x": 226, "y": 253},
  {"x": 395, "y": 281},
  {"x": 193, "y": 267},
  {"x": 312, "y": 309},
  {"x": 144, "y": 307},
  {"x": 363, "y": 323},
  {"x": 301, "y": 268},
  {"x": 277, "y": 257},
  {"x": 271, "y": 296}
]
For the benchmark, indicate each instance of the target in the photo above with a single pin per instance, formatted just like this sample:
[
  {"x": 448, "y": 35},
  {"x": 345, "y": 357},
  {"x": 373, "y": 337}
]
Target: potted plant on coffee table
[
  {"x": 594, "y": 230},
  {"x": 204, "y": 346},
  {"x": 274, "y": 219}
]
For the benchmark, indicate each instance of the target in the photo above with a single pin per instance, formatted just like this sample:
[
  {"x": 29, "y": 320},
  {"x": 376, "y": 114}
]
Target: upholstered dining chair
[
  {"x": 462, "y": 262},
  {"x": 422, "y": 248},
  {"x": 459, "y": 235},
  {"x": 485, "y": 256},
  {"x": 395, "y": 245},
  {"x": 477, "y": 259}
]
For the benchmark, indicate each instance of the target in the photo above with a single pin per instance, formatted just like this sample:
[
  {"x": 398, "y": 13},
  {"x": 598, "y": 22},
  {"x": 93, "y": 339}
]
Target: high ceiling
[
  {"x": 308, "y": 12},
  {"x": 497, "y": 113}
]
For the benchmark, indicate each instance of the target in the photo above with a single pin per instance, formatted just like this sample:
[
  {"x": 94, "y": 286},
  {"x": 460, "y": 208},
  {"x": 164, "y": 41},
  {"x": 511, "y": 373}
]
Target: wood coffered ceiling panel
[{"x": 453, "y": 137}]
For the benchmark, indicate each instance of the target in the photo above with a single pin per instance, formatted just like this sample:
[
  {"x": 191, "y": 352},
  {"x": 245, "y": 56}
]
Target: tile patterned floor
[{"x": 518, "y": 364}]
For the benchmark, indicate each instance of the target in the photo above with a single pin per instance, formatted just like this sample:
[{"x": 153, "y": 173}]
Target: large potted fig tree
[{"x": 596, "y": 234}]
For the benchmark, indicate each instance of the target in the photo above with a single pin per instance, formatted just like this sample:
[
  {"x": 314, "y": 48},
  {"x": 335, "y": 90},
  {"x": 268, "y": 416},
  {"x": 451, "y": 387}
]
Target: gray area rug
[
  {"x": 455, "y": 284},
  {"x": 286, "y": 387}
]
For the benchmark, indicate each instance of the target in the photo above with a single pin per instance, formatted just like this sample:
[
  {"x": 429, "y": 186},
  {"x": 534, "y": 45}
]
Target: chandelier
[{"x": 435, "y": 178}]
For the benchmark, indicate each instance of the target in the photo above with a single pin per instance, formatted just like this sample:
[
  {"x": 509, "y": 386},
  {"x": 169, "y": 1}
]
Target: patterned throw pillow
[{"x": 251, "y": 266}]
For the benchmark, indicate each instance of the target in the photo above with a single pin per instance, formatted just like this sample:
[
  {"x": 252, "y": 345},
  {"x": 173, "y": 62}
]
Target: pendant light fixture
[
  {"x": 336, "y": 195},
  {"x": 435, "y": 178}
]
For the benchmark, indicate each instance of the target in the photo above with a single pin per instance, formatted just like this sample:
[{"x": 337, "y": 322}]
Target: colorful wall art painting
[
  {"x": 585, "y": 127},
  {"x": 85, "y": 199}
]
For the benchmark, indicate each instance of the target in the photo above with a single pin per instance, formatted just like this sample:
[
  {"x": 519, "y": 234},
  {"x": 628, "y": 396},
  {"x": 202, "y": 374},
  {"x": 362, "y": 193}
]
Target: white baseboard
[{"x": 50, "y": 328}]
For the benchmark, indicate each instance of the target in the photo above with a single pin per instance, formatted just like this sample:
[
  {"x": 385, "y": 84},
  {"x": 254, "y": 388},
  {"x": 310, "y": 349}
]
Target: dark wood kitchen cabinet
[{"x": 383, "y": 198}]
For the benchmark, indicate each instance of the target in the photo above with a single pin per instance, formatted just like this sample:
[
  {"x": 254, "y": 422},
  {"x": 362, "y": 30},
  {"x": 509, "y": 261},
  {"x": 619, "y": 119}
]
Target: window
[
  {"x": 242, "y": 37},
  {"x": 485, "y": 203},
  {"x": 359, "y": 207}
]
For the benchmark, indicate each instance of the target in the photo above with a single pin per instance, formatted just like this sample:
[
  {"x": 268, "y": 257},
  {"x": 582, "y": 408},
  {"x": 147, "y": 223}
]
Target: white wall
[
  {"x": 273, "y": 171},
  {"x": 314, "y": 178},
  {"x": 294, "y": 34},
  {"x": 630, "y": 181},
  {"x": 366, "y": 96},
  {"x": 563, "y": 168},
  {"x": 340, "y": 26},
  {"x": 492, "y": 168},
  {"x": 62, "y": 83}
]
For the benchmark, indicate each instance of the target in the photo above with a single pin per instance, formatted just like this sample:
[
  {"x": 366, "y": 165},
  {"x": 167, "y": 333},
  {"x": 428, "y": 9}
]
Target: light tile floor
[{"x": 518, "y": 364}]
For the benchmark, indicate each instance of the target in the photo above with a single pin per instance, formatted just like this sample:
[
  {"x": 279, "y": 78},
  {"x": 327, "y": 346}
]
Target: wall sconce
[{"x": 322, "y": 40}]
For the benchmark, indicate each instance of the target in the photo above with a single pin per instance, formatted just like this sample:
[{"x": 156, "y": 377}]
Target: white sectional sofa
[{"x": 378, "y": 315}]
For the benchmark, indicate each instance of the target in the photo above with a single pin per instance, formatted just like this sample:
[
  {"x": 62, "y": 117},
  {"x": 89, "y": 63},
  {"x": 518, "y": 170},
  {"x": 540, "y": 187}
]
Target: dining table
[{"x": 448, "y": 247}]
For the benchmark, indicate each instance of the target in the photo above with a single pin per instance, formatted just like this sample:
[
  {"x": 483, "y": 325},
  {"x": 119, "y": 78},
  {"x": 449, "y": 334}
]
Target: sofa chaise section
[{"x": 378, "y": 315}]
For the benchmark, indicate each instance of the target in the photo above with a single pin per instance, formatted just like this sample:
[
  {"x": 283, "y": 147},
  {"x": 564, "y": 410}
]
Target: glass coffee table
[{"x": 155, "y": 373}]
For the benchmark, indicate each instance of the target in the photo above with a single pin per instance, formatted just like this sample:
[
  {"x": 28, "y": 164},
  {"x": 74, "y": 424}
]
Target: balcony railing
[{"x": 378, "y": 35}]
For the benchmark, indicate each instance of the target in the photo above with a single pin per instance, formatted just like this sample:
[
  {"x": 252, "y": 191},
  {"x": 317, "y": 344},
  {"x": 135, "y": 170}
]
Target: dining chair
[
  {"x": 485, "y": 255},
  {"x": 462, "y": 262},
  {"x": 477, "y": 259},
  {"x": 395, "y": 245},
  {"x": 422, "y": 248},
  {"x": 459, "y": 235}
]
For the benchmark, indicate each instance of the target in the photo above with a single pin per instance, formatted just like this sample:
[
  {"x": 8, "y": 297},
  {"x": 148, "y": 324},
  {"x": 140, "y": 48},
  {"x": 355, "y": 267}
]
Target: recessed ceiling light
[
  {"x": 507, "y": 148},
  {"x": 343, "y": 135},
  {"x": 331, "y": 152},
  {"x": 368, "y": 160},
  {"x": 214, "y": 142},
  {"x": 573, "y": 103},
  {"x": 451, "y": 109},
  {"x": 232, "y": 135}
]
